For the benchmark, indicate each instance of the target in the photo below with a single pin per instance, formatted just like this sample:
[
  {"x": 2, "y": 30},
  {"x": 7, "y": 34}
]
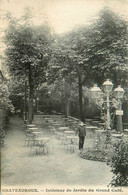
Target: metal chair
[{"x": 29, "y": 139}]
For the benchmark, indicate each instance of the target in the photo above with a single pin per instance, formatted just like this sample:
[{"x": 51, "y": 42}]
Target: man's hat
[{"x": 81, "y": 124}]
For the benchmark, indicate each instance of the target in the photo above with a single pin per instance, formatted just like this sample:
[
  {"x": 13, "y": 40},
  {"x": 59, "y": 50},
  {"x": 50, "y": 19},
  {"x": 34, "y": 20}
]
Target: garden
[{"x": 43, "y": 73}]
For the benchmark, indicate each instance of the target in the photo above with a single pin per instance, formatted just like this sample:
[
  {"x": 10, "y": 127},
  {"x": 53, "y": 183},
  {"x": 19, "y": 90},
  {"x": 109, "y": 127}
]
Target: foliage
[
  {"x": 70, "y": 63},
  {"x": 109, "y": 48},
  {"x": 100, "y": 49},
  {"x": 91, "y": 54},
  {"x": 5, "y": 107},
  {"x": 119, "y": 164},
  {"x": 62, "y": 76},
  {"x": 102, "y": 106},
  {"x": 27, "y": 53},
  {"x": 27, "y": 45},
  {"x": 100, "y": 155},
  {"x": 116, "y": 156}
]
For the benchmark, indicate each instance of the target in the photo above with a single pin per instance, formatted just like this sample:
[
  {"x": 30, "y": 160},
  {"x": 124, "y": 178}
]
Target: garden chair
[
  {"x": 52, "y": 129},
  {"x": 63, "y": 138},
  {"x": 29, "y": 140},
  {"x": 72, "y": 142},
  {"x": 49, "y": 148},
  {"x": 71, "y": 148},
  {"x": 35, "y": 148},
  {"x": 58, "y": 135}
]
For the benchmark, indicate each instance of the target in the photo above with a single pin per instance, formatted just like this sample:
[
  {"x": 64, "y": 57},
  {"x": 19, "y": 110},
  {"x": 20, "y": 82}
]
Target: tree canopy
[
  {"x": 92, "y": 54},
  {"x": 27, "y": 52},
  {"x": 73, "y": 61}
]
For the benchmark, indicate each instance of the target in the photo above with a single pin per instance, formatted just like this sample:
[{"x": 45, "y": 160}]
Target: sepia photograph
[{"x": 64, "y": 97}]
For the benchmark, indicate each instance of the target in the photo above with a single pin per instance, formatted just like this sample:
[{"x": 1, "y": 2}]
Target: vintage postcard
[{"x": 64, "y": 97}]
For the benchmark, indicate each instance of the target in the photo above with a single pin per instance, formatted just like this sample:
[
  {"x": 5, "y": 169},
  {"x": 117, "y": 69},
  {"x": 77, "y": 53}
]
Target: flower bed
[{"x": 103, "y": 155}]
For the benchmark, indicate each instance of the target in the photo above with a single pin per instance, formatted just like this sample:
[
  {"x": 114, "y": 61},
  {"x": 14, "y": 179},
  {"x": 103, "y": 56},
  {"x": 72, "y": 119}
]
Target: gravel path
[{"x": 58, "y": 168}]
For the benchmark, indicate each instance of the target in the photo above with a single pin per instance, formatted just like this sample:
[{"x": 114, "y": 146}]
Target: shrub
[{"x": 119, "y": 164}]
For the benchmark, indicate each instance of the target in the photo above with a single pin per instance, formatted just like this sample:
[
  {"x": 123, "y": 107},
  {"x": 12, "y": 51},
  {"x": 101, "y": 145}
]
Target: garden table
[
  {"x": 69, "y": 132},
  {"x": 97, "y": 122},
  {"x": 63, "y": 128},
  {"x": 56, "y": 124},
  {"x": 36, "y": 133},
  {"x": 125, "y": 136},
  {"x": 91, "y": 127},
  {"x": 30, "y": 125},
  {"x": 42, "y": 139},
  {"x": 41, "y": 143},
  {"x": 117, "y": 135},
  {"x": 53, "y": 123},
  {"x": 126, "y": 130},
  {"x": 50, "y": 120},
  {"x": 65, "y": 118},
  {"x": 33, "y": 129},
  {"x": 102, "y": 124},
  {"x": 28, "y": 131},
  {"x": 100, "y": 131},
  {"x": 46, "y": 116},
  {"x": 76, "y": 119},
  {"x": 70, "y": 120},
  {"x": 74, "y": 122},
  {"x": 88, "y": 120}
]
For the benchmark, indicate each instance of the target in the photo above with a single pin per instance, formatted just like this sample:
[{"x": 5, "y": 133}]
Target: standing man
[{"x": 81, "y": 134}]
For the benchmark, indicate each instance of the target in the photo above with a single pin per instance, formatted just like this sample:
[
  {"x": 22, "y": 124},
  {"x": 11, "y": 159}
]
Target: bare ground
[{"x": 58, "y": 168}]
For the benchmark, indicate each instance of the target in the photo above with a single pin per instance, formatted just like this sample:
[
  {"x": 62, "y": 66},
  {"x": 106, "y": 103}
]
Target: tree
[
  {"x": 96, "y": 52},
  {"x": 66, "y": 64},
  {"x": 61, "y": 73},
  {"x": 17, "y": 94},
  {"x": 27, "y": 53},
  {"x": 109, "y": 48}
]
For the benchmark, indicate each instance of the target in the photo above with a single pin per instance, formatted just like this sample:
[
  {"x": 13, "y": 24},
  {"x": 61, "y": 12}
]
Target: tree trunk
[
  {"x": 31, "y": 93},
  {"x": 81, "y": 103},
  {"x": 25, "y": 96},
  {"x": 80, "y": 94},
  {"x": 67, "y": 108},
  {"x": 25, "y": 101}
]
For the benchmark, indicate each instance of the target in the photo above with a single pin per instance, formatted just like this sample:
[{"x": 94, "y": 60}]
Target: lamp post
[
  {"x": 37, "y": 105},
  {"x": 119, "y": 93},
  {"x": 107, "y": 87},
  {"x": 97, "y": 93}
]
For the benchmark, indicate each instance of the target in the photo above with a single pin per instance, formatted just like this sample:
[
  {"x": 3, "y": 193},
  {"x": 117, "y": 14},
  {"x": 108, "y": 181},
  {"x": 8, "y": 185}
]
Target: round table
[
  {"x": 91, "y": 127},
  {"x": 41, "y": 141},
  {"x": 30, "y": 125},
  {"x": 63, "y": 128},
  {"x": 126, "y": 130},
  {"x": 36, "y": 133},
  {"x": 100, "y": 131},
  {"x": 69, "y": 132},
  {"x": 73, "y": 139},
  {"x": 117, "y": 135},
  {"x": 32, "y": 128},
  {"x": 40, "y": 144}
]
